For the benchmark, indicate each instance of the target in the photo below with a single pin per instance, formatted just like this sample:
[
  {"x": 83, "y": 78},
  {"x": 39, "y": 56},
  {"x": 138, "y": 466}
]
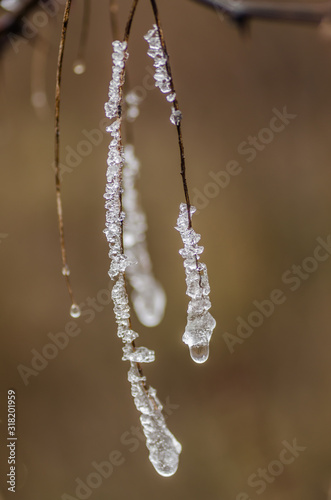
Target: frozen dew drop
[
  {"x": 175, "y": 116},
  {"x": 79, "y": 67},
  {"x": 199, "y": 353},
  {"x": 66, "y": 270},
  {"x": 75, "y": 311},
  {"x": 171, "y": 97}
]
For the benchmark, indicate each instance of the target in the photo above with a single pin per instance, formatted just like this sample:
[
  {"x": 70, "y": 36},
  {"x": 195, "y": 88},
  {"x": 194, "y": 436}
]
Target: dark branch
[
  {"x": 12, "y": 23},
  {"x": 237, "y": 10},
  {"x": 241, "y": 11}
]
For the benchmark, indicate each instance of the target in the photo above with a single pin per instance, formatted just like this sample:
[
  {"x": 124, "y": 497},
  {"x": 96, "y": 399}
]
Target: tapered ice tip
[
  {"x": 75, "y": 311},
  {"x": 199, "y": 353},
  {"x": 166, "y": 464},
  {"x": 166, "y": 470}
]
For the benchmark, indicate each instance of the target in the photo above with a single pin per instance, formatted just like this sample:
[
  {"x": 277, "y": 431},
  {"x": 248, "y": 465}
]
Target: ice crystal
[
  {"x": 161, "y": 75},
  {"x": 200, "y": 323},
  {"x": 163, "y": 448},
  {"x": 148, "y": 297}
]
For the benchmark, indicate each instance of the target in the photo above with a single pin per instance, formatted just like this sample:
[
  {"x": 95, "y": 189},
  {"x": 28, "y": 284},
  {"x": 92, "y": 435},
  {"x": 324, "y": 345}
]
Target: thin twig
[
  {"x": 65, "y": 268},
  {"x": 127, "y": 31},
  {"x": 176, "y": 106}
]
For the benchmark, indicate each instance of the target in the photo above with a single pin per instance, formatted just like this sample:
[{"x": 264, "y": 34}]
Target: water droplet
[
  {"x": 65, "y": 270},
  {"x": 79, "y": 67},
  {"x": 199, "y": 353},
  {"x": 75, "y": 311}
]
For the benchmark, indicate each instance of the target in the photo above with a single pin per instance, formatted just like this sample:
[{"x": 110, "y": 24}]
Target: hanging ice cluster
[
  {"x": 161, "y": 75},
  {"x": 200, "y": 323},
  {"x": 115, "y": 161},
  {"x": 163, "y": 448},
  {"x": 148, "y": 296}
]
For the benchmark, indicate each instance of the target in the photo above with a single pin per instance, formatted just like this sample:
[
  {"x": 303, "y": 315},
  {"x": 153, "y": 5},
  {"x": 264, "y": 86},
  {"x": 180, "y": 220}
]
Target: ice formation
[
  {"x": 161, "y": 75},
  {"x": 200, "y": 323},
  {"x": 148, "y": 296},
  {"x": 163, "y": 448}
]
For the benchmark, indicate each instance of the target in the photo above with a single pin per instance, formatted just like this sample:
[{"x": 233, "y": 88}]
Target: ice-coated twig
[
  {"x": 200, "y": 323},
  {"x": 163, "y": 447},
  {"x": 148, "y": 297},
  {"x": 161, "y": 76}
]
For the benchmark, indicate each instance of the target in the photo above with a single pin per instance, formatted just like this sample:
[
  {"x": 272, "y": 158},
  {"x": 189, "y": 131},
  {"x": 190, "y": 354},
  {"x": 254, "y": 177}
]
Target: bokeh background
[{"x": 233, "y": 413}]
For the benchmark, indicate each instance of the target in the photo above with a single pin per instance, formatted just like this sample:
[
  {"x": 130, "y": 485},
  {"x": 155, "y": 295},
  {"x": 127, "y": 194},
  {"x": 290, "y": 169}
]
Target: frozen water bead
[
  {"x": 175, "y": 116},
  {"x": 138, "y": 355}
]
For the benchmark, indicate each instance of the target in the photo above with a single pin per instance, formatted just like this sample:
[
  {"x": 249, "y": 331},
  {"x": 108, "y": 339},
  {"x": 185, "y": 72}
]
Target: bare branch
[
  {"x": 12, "y": 22},
  {"x": 298, "y": 12}
]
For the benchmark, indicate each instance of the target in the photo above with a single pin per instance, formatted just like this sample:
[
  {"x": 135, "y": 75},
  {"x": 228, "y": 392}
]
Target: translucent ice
[
  {"x": 200, "y": 323},
  {"x": 199, "y": 353},
  {"x": 175, "y": 116},
  {"x": 148, "y": 296},
  {"x": 161, "y": 76}
]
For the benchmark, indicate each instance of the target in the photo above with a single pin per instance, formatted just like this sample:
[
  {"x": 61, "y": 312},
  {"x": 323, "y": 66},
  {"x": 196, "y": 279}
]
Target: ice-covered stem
[
  {"x": 148, "y": 296},
  {"x": 200, "y": 323},
  {"x": 161, "y": 59},
  {"x": 163, "y": 448}
]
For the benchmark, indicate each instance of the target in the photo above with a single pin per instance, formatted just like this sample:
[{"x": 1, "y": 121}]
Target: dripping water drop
[
  {"x": 75, "y": 311},
  {"x": 199, "y": 353}
]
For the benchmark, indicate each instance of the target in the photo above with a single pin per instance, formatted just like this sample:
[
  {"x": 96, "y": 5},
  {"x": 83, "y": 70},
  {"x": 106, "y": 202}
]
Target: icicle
[
  {"x": 200, "y": 323},
  {"x": 148, "y": 297},
  {"x": 161, "y": 75},
  {"x": 163, "y": 448}
]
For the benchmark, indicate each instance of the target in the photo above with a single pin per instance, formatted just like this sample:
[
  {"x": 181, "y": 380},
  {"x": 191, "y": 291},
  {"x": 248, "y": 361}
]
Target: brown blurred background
[{"x": 235, "y": 411}]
